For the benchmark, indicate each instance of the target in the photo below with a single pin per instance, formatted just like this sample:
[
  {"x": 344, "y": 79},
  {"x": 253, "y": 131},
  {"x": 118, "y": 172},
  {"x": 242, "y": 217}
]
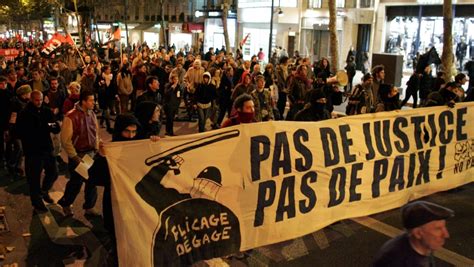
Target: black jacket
[
  {"x": 33, "y": 127},
  {"x": 205, "y": 93},
  {"x": 5, "y": 97},
  {"x": 150, "y": 96},
  {"x": 171, "y": 99}
]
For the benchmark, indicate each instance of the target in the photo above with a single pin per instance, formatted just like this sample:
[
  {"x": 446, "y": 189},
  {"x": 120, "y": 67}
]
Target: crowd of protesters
[{"x": 59, "y": 102}]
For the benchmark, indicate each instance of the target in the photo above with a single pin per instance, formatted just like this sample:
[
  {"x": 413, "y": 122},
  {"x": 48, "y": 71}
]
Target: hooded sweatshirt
[{"x": 205, "y": 92}]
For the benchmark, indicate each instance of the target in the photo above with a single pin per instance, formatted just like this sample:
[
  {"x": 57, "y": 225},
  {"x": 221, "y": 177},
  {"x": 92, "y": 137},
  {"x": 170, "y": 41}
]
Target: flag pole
[{"x": 82, "y": 60}]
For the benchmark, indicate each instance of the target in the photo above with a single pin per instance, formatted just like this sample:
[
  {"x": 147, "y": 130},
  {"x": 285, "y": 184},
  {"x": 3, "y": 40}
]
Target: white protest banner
[{"x": 188, "y": 198}]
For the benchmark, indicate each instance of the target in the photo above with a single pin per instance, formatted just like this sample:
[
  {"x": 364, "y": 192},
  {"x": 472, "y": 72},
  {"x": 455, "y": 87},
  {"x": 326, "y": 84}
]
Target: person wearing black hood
[
  {"x": 315, "y": 110},
  {"x": 125, "y": 129},
  {"x": 205, "y": 93},
  {"x": 445, "y": 96},
  {"x": 148, "y": 114},
  {"x": 389, "y": 98}
]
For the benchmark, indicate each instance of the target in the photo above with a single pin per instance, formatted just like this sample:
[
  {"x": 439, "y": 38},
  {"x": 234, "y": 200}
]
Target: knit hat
[
  {"x": 419, "y": 213},
  {"x": 23, "y": 90}
]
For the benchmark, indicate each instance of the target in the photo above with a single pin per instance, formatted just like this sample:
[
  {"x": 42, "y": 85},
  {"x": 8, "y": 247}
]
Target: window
[
  {"x": 340, "y": 3},
  {"x": 315, "y": 3},
  {"x": 365, "y": 3}
]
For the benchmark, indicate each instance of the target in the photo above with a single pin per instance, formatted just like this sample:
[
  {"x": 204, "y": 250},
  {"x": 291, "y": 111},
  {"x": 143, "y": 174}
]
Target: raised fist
[{"x": 174, "y": 163}]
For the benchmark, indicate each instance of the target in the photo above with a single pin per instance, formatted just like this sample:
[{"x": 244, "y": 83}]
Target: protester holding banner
[
  {"x": 148, "y": 114},
  {"x": 245, "y": 111},
  {"x": 445, "y": 96},
  {"x": 389, "y": 98},
  {"x": 315, "y": 109},
  {"x": 126, "y": 127},
  {"x": 426, "y": 232},
  {"x": 80, "y": 137}
]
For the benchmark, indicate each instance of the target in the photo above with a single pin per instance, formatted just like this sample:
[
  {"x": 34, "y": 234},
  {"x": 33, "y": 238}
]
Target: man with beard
[
  {"x": 54, "y": 98},
  {"x": 34, "y": 125},
  {"x": 315, "y": 110}
]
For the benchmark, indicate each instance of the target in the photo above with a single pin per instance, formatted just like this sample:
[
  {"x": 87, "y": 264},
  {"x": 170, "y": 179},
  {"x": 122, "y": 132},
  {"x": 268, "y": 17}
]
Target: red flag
[
  {"x": 244, "y": 40},
  {"x": 53, "y": 43},
  {"x": 116, "y": 35},
  {"x": 69, "y": 40}
]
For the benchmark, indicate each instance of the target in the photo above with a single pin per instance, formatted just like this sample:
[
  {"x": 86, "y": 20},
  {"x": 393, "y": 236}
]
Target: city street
[{"x": 52, "y": 240}]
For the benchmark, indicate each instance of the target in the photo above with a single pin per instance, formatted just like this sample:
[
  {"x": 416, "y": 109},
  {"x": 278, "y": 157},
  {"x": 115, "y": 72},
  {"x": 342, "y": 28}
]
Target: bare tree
[
  {"x": 162, "y": 22},
  {"x": 225, "y": 12},
  {"x": 447, "y": 57},
  {"x": 333, "y": 36}
]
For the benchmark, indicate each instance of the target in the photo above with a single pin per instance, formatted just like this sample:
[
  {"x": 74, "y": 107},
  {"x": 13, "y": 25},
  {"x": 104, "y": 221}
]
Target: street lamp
[{"x": 280, "y": 14}]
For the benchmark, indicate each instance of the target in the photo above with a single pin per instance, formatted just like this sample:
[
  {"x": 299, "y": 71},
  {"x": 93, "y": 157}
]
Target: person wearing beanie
[
  {"x": 426, "y": 232},
  {"x": 389, "y": 98},
  {"x": 315, "y": 110},
  {"x": 206, "y": 92},
  {"x": 17, "y": 104},
  {"x": 148, "y": 114}
]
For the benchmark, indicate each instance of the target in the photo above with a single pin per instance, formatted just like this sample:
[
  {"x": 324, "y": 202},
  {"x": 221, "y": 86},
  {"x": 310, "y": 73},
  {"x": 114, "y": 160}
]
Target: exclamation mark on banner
[{"x": 442, "y": 159}]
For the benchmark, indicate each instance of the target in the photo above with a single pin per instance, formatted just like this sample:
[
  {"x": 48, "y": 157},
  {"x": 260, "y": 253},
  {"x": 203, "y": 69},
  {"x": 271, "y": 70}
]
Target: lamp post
[{"x": 271, "y": 31}]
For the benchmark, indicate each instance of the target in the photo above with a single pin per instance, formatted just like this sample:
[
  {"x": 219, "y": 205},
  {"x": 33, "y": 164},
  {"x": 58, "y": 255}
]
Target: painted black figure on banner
[{"x": 193, "y": 226}]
